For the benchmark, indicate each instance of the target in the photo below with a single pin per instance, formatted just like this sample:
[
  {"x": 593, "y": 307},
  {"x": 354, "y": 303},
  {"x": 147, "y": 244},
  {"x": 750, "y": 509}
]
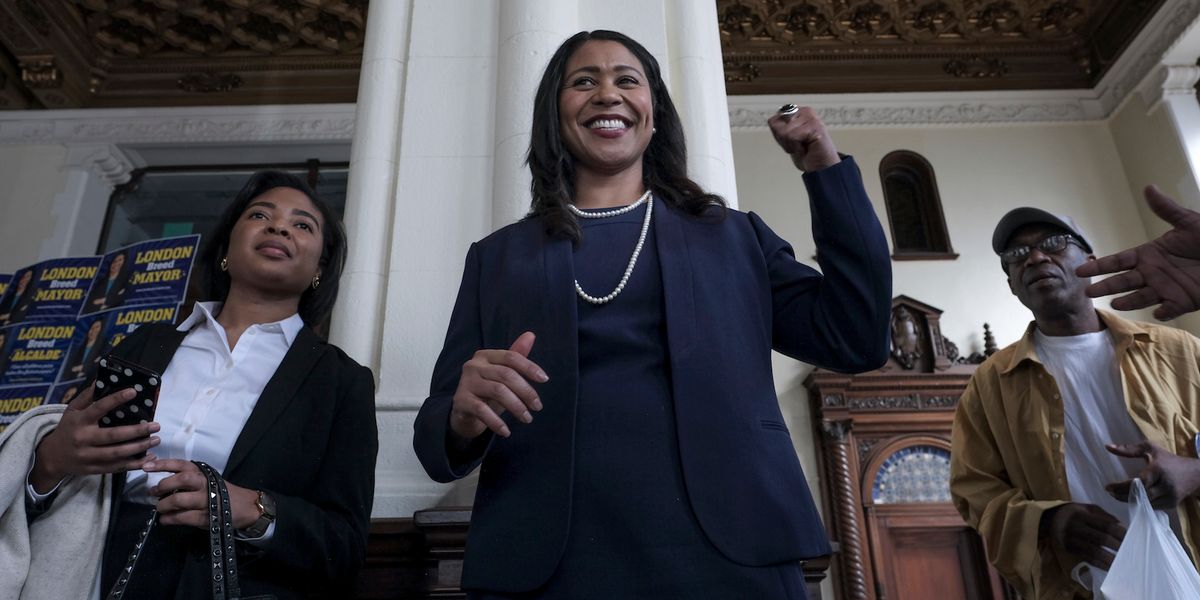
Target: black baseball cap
[{"x": 1026, "y": 215}]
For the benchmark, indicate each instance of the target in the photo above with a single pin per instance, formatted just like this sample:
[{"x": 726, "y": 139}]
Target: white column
[
  {"x": 372, "y": 185},
  {"x": 92, "y": 172},
  {"x": 1179, "y": 100},
  {"x": 529, "y": 33},
  {"x": 1172, "y": 87},
  {"x": 698, "y": 88},
  {"x": 443, "y": 202}
]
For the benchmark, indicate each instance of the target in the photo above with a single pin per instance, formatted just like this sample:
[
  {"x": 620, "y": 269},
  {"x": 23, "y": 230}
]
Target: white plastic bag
[{"x": 1150, "y": 563}]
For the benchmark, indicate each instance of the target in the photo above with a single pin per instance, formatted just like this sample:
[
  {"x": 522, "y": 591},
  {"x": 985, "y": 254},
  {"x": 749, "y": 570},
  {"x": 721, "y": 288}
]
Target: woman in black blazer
[
  {"x": 635, "y": 448},
  {"x": 109, "y": 289},
  {"x": 290, "y": 419}
]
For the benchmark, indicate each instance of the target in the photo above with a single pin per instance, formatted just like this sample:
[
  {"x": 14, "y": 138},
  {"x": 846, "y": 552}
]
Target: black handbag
[{"x": 220, "y": 537}]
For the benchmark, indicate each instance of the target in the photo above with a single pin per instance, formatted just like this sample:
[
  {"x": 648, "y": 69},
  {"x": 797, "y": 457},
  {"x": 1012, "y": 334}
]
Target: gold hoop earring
[
  {"x": 225, "y": 264},
  {"x": 316, "y": 282}
]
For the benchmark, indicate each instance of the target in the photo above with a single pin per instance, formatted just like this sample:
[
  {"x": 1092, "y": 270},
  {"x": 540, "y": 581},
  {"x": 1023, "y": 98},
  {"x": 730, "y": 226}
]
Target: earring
[
  {"x": 225, "y": 264},
  {"x": 653, "y": 130},
  {"x": 316, "y": 282}
]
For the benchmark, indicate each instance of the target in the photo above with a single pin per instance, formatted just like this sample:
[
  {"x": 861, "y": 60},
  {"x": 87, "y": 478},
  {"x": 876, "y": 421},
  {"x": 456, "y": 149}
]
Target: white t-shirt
[{"x": 1089, "y": 381}]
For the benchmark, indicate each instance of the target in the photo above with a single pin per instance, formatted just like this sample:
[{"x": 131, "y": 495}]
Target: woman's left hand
[
  {"x": 183, "y": 499},
  {"x": 803, "y": 136}
]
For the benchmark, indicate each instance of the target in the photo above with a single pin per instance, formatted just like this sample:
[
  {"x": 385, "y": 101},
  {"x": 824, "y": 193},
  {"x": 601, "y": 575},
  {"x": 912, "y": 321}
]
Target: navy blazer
[
  {"x": 311, "y": 442},
  {"x": 733, "y": 291}
]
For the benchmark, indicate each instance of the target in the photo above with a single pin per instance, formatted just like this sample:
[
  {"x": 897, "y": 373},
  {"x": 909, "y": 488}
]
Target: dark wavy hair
[
  {"x": 664, "y": 163},
  {"x": 314, "y": 304}
]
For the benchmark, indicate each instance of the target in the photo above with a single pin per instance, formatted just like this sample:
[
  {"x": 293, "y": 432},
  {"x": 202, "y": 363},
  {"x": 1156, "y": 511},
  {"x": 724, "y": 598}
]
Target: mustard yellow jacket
[{"x": 1006, "y": 462}]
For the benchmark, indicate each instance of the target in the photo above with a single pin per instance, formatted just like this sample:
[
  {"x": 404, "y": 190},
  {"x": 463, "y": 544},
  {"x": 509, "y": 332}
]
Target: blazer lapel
[
  {"x": 275, "y": 398},
  {"x": 675, "y": 262}
]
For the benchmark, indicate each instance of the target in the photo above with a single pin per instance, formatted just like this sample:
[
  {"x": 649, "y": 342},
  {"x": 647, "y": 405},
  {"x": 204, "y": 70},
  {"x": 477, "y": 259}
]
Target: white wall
[{"x": 32, "y": 176}]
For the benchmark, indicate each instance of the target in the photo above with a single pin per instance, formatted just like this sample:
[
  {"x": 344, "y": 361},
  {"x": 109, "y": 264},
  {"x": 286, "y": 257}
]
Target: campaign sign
[
  {"x": 15, "y": 300},
  {"x": 151, "y": 272},
  {"x": 123, "y": 322},
  {"x": 65, "y": 391},
  {"x": 96, "y": 335},
  {"x": 15, "y": 400},
  {"x": 36, "y": 351},
  {"x": 59, "y": 289}
]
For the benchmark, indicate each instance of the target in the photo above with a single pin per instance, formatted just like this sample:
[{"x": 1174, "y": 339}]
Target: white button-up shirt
[{"x": 209, "y": 390}]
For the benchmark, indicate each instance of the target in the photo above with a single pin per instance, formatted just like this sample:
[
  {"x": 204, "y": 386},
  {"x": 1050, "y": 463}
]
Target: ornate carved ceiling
[
  {"x": 831, "y": 46},
  {"x": 107, "y": 53},
  {"x": 99, "y": 53}
]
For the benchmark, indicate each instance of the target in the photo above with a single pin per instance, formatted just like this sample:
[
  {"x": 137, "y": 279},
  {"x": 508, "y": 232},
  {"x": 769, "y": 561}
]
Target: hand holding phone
[{"x": 80, "y": 446}]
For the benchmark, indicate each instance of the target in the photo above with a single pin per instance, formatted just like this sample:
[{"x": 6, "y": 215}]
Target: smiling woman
[{"x": 633, "y": 313}]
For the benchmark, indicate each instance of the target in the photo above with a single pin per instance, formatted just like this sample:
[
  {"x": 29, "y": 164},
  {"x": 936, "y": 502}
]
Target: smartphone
[{"x": 113, "y": 375}]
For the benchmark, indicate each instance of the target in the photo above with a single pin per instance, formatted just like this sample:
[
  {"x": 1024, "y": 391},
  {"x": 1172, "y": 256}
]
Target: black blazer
[
  {"x": 733, "y": 291},
  {"x": 311, "y": 442}
]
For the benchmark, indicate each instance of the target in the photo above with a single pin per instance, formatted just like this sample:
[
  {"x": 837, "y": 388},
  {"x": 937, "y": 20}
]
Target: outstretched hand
[
  {"x": 1164, "y": 271},
  {"x": 803, "y": 136}
]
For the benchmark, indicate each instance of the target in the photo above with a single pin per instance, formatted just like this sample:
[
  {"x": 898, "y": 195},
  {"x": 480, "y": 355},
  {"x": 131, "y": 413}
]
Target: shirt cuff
[
  {"x": 35, "y": 498},
  {"x": 259, "y": 541}
]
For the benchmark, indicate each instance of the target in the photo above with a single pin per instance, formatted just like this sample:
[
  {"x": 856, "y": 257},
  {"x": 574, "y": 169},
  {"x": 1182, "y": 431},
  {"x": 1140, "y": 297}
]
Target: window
[
  {"x": 169, "y": 201},
  {"x": 163, "y": 202},
  {"x": 914, "y": 208}
]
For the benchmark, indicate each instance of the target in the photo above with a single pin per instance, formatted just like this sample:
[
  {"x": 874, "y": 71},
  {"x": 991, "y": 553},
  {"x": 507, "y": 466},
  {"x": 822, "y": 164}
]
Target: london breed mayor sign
[{"x": 59, "y": 316}]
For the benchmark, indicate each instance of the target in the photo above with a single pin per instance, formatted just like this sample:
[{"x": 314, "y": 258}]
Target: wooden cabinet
[
  {"x": 884, "y": 444},
  {"x": 421, "y": 558}
]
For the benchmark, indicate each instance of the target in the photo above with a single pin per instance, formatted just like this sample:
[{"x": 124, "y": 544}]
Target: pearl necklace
[
  {"x": 636, "y": 249},
  {"x": 608, "y": 213}
]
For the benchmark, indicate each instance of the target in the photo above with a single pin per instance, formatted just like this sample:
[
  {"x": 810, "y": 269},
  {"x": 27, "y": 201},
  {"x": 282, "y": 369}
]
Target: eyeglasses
[{"x": 1047, "y": 245}]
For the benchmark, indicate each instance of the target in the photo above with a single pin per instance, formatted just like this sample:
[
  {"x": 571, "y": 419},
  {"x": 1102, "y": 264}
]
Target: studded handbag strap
[{"x": 222, "y": 555}]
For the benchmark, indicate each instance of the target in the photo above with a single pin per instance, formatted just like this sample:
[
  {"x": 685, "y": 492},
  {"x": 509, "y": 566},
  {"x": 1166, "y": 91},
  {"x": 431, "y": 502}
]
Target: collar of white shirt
[{"x": 204, "y": 312}]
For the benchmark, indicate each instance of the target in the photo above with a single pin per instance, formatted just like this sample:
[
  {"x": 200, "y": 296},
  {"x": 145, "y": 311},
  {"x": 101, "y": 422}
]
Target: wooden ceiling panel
[
  {"x": 815, "y": 46},
  {"x": 112, "y": 53},
  {"x": 107, "y": 53}
]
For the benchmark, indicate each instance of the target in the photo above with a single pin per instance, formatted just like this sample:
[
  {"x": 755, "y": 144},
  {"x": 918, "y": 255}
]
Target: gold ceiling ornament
[
  {"x": 144, "y": 28},
  {"x": 184, "y": 52},
  {"x": 820, "y": 46}
]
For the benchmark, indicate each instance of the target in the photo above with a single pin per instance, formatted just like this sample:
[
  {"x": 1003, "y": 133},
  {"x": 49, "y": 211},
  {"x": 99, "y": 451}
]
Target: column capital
[
  {"x": 106, "y": 161},
  {"x": 1166, "y": 81}
]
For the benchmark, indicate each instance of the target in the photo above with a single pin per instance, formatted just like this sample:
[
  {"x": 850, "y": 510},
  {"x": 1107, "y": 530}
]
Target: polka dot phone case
[{"x": 114, "y": 375}]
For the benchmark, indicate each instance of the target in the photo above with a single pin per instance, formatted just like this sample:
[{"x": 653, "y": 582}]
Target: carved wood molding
[
  {"x": 848, "y": 529},
  {"x": 802, "y": 46},
  {"x": 97, "y": 53},
  {"x": 1142, "y": 55}
]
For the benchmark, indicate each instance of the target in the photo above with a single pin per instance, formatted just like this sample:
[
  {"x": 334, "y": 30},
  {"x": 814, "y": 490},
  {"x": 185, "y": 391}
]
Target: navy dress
[{"x": 634, "y": 514}]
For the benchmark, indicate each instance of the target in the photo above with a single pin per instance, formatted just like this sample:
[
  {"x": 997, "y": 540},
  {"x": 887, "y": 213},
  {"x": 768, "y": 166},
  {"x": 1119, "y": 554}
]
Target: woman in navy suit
[{"x": 608, "y": 360}]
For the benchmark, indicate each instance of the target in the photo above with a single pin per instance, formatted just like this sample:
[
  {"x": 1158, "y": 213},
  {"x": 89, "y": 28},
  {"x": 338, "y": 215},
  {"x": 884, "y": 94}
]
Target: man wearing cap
[{"x": 1052, "y": 429}]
